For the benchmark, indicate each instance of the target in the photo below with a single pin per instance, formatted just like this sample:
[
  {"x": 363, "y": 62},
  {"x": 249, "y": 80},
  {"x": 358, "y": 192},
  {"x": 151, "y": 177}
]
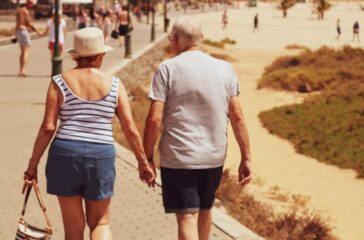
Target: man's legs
[
  {"x": 187, "y": 226},
  {"x": 193, "y": 226},
  {"x": 204, "y": 224},
  {"x": 23, "y": 59}
]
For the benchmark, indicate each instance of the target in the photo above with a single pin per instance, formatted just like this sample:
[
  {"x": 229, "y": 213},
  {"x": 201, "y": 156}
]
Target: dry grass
[
  {"x": 7, "y": 32},
  {"x": 265, "y": 222},
  {"x": 219, "y": 44},
  {"x": 296, "y": 47}
]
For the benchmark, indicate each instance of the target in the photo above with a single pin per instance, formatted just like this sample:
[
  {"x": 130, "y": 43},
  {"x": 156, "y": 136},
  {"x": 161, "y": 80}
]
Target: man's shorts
[
  {"x": 23, "y": 37},
  {"x": 189, "y": 190},
  {"x": 77, "y": 168}
]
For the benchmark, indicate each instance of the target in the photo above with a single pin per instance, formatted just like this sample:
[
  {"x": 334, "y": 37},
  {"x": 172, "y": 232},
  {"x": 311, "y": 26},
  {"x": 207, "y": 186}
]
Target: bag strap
[{"x": 40, "y": 201}]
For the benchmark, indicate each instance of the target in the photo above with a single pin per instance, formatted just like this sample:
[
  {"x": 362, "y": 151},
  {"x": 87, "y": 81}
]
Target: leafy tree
[
  {"x": 284, "y": 5},
  {"x": 320, "y": 7}
]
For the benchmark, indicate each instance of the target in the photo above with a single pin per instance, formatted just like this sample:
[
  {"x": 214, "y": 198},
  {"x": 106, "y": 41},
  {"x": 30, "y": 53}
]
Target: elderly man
[{"x": 193, "y": 95}]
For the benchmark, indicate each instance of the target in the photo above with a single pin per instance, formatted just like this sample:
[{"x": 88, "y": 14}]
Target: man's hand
[
  {"x": 245, "y": 172},
  {"x": 147, "y": 173}
]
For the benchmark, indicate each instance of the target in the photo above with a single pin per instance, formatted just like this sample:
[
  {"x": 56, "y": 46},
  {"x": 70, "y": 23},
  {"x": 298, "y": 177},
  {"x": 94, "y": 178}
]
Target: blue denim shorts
[{"x": 77, "y": 168}]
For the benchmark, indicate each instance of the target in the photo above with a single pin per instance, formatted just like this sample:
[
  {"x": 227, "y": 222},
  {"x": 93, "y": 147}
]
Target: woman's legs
[
  {"x": 97, "y": 217},
  {"x": 73, "y": 217}
]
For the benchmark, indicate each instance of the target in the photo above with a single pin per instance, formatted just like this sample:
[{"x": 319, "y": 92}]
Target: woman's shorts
[
  {"x": 51, "y": 46},
  {"x": 77, "y": 168},
  {"x": 189, "y": 190}
]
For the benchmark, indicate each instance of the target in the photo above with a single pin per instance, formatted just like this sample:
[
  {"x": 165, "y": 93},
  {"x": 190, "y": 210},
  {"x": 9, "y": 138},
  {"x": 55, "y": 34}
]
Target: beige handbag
[{"x": 30, "y": 232}]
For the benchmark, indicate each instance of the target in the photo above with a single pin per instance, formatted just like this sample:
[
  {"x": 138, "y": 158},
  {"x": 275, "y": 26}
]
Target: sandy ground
[{"x": 280, "y": 173}]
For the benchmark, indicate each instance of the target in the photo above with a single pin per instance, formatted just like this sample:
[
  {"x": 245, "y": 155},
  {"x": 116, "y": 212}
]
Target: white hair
[{"x": 188, "y": 30}]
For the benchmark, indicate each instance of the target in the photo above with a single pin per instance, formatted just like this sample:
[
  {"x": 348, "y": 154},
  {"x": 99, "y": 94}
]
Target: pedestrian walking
[
  {"x": 192, "y": 96},
  {"x": 124, "y": 23},
  {"x": 256, "y": 23},
  {"x": 22, "y": 28},
  {"x": 82, "y": 18},
  {"x": 224, "y": 19},
  {"x": 50, "y": 30},
  {"x": 338, "y": 29},
  {"x": 356, "y": 29},
  {"x": 106, "y": 25},
  {"x": 80, "y": 169},
  {"x": 138, "y": 13}
]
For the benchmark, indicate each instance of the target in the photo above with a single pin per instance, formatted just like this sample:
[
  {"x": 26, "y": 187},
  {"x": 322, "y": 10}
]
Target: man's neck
[{"x": 192, "y": 48}]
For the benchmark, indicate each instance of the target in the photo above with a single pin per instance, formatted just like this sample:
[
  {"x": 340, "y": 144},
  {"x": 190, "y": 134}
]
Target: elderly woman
[{"x": 81, "y": 157}]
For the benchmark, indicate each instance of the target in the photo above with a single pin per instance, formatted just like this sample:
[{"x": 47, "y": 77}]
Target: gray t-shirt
[{"x": 196, "y": 89}]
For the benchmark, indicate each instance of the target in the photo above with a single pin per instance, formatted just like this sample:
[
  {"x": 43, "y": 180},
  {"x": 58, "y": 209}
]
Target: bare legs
[
  {"x": 23, "y": 60},
  {"x": 194, "y": 226},
  {"x": 73, "y": 217},
  {"x": 121, "y": 41},
  {"x": 204, "y": 224},
  {"x": 74, "y": 220},
  {"x": 97, "y": 215}
]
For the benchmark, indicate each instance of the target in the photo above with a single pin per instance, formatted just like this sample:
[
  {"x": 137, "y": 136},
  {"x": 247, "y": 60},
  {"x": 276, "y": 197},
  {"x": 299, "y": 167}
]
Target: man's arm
[
  {"x": 152, "y": 127},
  {"x": 241, "y": 134}
]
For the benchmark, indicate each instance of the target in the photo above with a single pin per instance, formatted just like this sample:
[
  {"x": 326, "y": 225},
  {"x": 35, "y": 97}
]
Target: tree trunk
[{"x": 284, "y": 13}]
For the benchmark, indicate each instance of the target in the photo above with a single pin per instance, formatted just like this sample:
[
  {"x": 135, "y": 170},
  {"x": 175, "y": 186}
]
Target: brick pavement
[{"x": 136, "y": 211}]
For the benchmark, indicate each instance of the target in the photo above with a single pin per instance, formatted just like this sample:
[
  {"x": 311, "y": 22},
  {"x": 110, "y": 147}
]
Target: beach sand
[{"x": 336, "y": 194}]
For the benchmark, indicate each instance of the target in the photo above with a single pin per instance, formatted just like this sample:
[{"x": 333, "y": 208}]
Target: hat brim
[{"x": 73, "y": 52}]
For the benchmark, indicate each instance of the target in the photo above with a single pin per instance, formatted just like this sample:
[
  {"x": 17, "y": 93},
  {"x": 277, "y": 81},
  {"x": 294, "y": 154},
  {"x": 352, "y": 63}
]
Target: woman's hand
[
  {"x": 30, "y": 174},
  {"x": 147, "y": 172}
]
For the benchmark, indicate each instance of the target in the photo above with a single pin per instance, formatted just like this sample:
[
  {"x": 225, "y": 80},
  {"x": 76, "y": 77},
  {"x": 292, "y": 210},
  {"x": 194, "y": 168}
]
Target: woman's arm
[
  {"x": 131, "y": 133},
  {"x": 46, "y": 131}
]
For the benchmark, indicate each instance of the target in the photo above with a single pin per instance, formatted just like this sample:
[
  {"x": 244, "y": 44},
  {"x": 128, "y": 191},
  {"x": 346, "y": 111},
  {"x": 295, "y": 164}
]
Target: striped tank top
[{"x": 86, "y": 120}]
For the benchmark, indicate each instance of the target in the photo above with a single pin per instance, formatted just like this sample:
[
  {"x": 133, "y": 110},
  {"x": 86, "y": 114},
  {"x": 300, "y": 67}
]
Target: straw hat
[{"x": 88, "y": 42}]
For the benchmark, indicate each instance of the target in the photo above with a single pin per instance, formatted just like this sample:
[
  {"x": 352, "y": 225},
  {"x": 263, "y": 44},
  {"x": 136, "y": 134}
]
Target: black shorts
[
  {"x": 189, "y": 190},
  {"x": 123, "y": 30}
]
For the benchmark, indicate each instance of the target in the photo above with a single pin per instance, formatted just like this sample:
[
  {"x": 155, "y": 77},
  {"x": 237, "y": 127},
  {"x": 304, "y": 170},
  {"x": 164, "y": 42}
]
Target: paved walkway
[{"x": 136, "y": 212}]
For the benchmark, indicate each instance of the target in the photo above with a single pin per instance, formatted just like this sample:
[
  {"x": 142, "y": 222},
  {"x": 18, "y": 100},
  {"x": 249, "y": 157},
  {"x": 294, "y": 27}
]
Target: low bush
[
  {"x": 328, "y": 126},
  {"x": 264, "y": 221}
]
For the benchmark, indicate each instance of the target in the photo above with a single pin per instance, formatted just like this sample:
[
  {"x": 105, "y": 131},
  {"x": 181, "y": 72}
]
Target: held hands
[
  {"x": 147, "y": 172},
  {"x": 30, "y": 174},
  {"x": 245, "y": 172}
]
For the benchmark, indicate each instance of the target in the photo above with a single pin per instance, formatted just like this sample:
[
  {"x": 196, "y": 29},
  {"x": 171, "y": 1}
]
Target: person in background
[
  {"x": 224, "y": 19},
  {"x": 356, "y": 29},
  {"x": 93, "y": 17},
  {"x": 124, "y": 23},
  {"x": 80, "y": 168},
  {"x": 106, "y": 25},
  {"x": 256, "y": 23},
  {"x": 192, "y": 96},
  {"x": 50, "y": 30},
  {"x": 82, "y": 18},
  {"x": 338, "y": 29},
  {"x": 22, "y": 28},
  {"x": 138, "y": 13}
]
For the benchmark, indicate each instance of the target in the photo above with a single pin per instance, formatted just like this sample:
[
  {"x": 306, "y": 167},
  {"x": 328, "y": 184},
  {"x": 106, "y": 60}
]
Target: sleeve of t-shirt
[
  {"x": 233, "y": 86},
  {"x": 49, "y": 22},
  {"x": 159, "y": 86}
]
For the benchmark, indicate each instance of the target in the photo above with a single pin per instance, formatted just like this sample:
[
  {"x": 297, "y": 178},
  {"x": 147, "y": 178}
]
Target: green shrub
[{"x": 328, "y": 129}]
